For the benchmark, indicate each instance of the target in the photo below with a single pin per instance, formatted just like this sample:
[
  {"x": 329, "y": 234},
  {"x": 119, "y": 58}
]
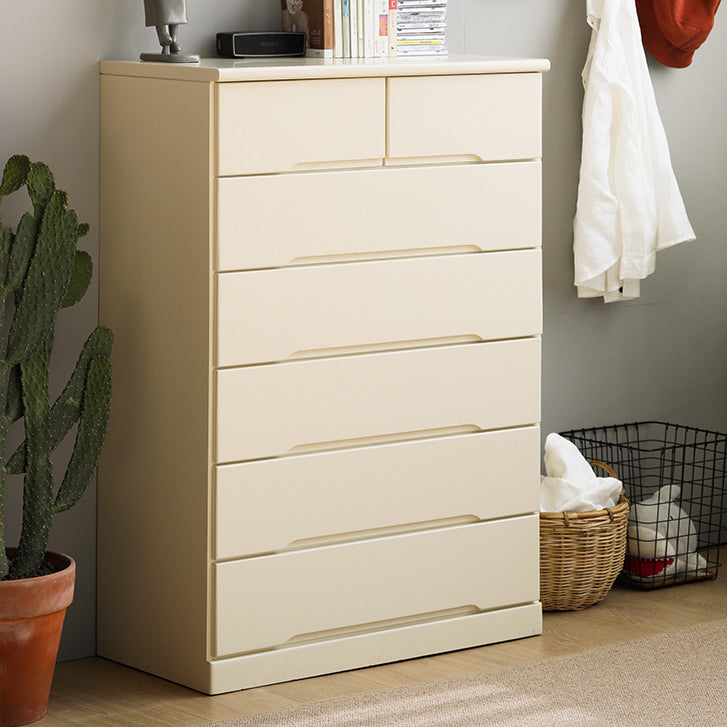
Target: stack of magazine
[
  {"x": 368, "y": 28},
  {"x": 421, "y": 27}
]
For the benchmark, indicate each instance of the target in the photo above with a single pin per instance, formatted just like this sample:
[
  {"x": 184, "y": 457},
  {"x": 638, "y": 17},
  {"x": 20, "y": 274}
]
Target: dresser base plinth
[{"x": 354, "y": 652}]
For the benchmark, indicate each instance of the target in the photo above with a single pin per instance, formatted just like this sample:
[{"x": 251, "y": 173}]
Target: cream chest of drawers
[{"x": 324, "y": 281}]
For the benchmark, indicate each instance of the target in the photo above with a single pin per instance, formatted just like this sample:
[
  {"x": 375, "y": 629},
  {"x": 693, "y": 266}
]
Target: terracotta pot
[{"x": 31, "y": 618}]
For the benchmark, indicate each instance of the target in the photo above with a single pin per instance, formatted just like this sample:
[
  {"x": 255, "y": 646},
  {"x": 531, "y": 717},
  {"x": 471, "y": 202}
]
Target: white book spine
[
  {"x": 370, "y": 15},
  {"x": 382, "y": 28},
  {"x": 338, "y": 28},
  {"x": 354, "y": 27},
  {"x": 346, "y": 7},
  {"x": 361, "y": 26},
  {"x": 392, "y": 27}
]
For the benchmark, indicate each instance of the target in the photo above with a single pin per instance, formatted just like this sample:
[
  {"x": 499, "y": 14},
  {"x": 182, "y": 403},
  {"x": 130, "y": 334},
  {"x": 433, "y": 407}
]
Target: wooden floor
[{"x": 97, "y": 692}]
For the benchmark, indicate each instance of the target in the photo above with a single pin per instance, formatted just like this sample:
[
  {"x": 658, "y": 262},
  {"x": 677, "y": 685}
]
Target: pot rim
[{"x": 39, "y": 595}]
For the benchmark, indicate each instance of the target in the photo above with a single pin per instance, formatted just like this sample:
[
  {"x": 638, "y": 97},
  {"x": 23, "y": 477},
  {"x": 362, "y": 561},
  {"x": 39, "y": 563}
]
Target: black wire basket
[{"x": 675, "y": 478}]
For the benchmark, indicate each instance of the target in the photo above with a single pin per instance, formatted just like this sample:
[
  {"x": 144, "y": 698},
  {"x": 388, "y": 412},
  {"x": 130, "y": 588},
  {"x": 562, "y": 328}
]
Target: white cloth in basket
[{"x": 570, "y": 485}]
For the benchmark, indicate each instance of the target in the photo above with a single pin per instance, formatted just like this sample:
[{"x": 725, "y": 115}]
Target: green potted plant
[{"x": 41, "y": 272}]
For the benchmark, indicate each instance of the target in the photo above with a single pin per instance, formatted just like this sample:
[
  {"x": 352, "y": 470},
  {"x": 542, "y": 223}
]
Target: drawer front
[
  {"x": 487, "y": 475},
  {"x": 269, "y": 410},
  {"x": 488, "y": 117},
  {"x": 267, "y": 601},
  {"x": 275, "y": 126},
  {"x": 271, "y": 315},
  {"x": 470, "y": 207}
]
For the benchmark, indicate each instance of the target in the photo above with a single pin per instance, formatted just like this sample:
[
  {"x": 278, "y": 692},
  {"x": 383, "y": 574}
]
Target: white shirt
[{"x": 629, "y": 204}]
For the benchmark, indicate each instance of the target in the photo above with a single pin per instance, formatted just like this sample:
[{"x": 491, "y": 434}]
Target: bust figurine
[{"x": 166, "y": 16}]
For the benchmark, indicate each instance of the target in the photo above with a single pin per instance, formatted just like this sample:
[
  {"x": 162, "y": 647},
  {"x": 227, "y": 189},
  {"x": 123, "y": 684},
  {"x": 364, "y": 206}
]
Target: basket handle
[{"x": 612, "y": 473}]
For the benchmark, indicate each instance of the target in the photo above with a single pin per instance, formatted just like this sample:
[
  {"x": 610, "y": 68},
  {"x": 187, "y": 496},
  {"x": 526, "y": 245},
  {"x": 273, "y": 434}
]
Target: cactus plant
[{"x": 43, "y": 271}]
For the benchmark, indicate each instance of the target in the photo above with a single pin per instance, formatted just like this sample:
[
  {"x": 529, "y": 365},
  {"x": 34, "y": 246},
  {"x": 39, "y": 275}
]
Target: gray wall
[{"x": 662, "y": 356}]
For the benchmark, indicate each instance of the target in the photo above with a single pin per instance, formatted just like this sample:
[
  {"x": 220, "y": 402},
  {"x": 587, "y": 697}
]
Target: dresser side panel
[{"x": 155, "y": 295}]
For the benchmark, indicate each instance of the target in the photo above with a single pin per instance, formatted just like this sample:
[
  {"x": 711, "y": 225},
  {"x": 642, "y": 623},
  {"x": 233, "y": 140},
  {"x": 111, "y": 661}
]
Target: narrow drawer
[
  {"x": 329, "y": 215},
  {"x": 271, "y": 315},
  {"x": 303, "y": 595},
  {"x": 274, "y": 126},
  {"x": 487, "y": 475},
  {"x": 269, "y": 410},
  {"x": 487, "y": 117}
]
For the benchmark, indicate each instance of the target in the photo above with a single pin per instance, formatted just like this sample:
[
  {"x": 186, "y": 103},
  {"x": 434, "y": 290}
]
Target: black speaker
[{"x": 260, "y": 45}]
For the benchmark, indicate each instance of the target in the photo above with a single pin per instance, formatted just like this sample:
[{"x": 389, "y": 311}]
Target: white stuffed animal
[{"x": 662, "y": 540}]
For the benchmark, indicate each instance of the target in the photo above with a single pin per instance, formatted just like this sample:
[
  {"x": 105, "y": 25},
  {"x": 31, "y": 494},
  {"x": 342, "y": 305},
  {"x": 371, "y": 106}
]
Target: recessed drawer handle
[
  {"x": 340, "y": 164},
  {"x": 385, "y": 624},
  {"x": 384, "y": 438},
  {"x": 385, "y": 254},
  {"x": 435, "y": 159},
  {"x": 382, "y": 532},
  {"x": 388, "y": 346}
]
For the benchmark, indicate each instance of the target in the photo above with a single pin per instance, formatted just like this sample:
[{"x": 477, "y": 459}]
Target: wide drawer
[
  {"x": 487, "y": 117},
  {"x": 484, "y": 476},
  {"x": 386, "y": 645},
  {"x": 356, "y": 587},
  {"x": 269, "y": 221},
  {"x": 274, "y": 409},
  {"x": 275, "y": 126},
  {"x": 271, "y": 315}
]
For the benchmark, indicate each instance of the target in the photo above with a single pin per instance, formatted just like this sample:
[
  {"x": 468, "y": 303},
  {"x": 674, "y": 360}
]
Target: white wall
[{"x": 662, "y": 356}]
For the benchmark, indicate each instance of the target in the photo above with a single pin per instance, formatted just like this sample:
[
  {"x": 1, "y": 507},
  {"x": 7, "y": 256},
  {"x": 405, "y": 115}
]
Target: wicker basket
[{"x": 581, "y": 554}]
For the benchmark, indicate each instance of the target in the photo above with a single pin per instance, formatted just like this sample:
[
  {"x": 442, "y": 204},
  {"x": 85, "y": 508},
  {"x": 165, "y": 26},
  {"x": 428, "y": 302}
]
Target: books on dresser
[{"x": 368, "y": 28}]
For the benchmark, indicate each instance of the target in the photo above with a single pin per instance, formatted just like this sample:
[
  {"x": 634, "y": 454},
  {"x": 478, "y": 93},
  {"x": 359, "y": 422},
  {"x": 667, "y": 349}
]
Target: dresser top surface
[{"x": 272, "y": 69}]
